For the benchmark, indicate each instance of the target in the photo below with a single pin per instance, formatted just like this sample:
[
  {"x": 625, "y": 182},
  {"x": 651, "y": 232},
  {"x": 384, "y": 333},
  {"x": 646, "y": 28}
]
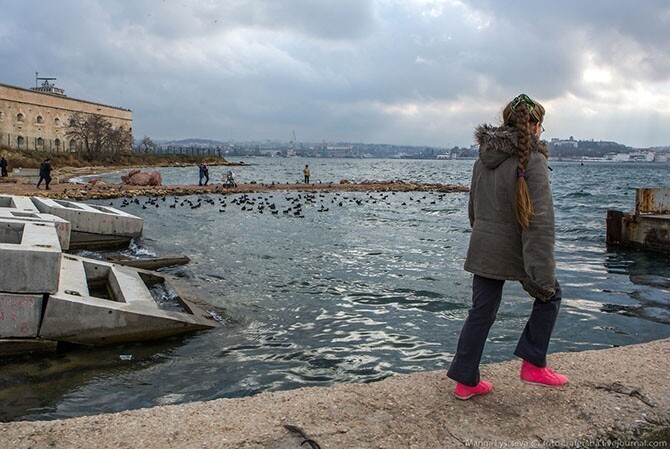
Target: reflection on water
[
  {"x": 354, "y": 287},
  {"x": 648, "y": 271},
  {"x": 32, "y": 386}
]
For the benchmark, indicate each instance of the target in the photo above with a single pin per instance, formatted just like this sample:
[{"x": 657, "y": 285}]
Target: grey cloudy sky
[{"x": 416, "y": 72}]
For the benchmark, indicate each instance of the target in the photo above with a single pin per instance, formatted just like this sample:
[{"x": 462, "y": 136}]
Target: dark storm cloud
[{"x": 410, "y": 71}]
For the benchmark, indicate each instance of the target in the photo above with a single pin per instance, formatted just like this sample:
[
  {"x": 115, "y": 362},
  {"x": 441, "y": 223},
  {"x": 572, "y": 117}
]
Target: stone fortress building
[{"x": 38, "y": 118}]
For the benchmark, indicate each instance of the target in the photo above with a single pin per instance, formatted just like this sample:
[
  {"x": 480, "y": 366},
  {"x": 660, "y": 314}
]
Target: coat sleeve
[
  {"x": 538, "y": 240},
  {"x": 473, "y": 187}
]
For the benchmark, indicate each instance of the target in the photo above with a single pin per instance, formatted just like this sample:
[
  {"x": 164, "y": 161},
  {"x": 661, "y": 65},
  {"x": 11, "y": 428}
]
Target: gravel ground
[{"x": 614, "y": 396}]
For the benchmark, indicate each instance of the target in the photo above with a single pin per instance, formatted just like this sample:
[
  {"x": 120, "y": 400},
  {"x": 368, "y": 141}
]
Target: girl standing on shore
[{"x": 512, "y": 217}]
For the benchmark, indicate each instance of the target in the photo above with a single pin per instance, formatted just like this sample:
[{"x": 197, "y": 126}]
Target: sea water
[{"x": 345, "y": 287}]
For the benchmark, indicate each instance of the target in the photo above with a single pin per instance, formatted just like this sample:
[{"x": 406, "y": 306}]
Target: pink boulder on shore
[{"x": 139, "y": 178}]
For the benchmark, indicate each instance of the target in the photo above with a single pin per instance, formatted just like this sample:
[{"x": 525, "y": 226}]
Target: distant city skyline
[{"x": 400, "y": 72}]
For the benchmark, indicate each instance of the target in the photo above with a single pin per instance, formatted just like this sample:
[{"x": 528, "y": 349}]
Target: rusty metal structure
[{"x": 648, "y": 227}]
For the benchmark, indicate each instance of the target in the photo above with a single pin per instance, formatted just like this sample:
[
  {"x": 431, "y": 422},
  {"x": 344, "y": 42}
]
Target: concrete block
[
  {"x": 638, "y": 231},
  {"x": 31, "y": 257},
  {"x": 652, "y": 200},
  {"x": 101, "y": 303},
  {"x": 648, "y": 227},
  {"x": 92, "y": 219},
  {"x": 20, "y": 315},
  {"x": 20, "y": 203},
  {"x": 63, "y": 227}
]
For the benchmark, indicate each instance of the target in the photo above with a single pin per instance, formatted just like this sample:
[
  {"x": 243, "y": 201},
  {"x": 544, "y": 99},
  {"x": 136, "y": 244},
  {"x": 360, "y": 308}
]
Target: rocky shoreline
[
  {"x": 616, "y": 397},
  {"x": 101, "y": 190}
]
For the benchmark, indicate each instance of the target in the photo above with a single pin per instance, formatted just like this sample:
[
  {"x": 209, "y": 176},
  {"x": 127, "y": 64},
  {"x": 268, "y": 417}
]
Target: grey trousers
[{"x": 533, "y": 343}]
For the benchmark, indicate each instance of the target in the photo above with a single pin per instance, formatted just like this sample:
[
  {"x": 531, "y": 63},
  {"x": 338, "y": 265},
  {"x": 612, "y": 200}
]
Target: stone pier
[{"x": 648, "y": 227}]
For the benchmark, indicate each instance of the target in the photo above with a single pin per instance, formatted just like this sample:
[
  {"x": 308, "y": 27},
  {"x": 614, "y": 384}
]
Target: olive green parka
[{"x": 500, "y": 248}]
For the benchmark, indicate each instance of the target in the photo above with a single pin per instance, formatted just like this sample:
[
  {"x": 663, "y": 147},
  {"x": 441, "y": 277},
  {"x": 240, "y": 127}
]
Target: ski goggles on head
[
  {"x": 525, "y": 99},
  {"x": 530, "y": 104}
]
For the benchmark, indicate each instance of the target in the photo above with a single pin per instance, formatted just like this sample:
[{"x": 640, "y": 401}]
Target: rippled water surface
[{"x": 352, "y": 287}]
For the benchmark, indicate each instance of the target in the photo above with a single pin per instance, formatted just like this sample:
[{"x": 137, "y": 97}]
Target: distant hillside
[{"x": 191, "y": 142}]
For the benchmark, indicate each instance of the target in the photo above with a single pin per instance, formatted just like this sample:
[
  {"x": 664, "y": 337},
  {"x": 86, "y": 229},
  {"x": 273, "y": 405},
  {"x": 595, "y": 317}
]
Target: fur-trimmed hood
[{"x": 498, "y": 143}]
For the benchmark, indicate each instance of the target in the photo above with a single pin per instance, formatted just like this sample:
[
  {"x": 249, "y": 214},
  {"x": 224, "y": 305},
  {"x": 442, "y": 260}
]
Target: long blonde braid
[{"x": 521, "y": 113}]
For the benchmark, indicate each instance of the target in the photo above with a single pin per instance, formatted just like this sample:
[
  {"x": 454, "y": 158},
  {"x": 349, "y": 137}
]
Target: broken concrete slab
[{"x": 100, "y": 303}]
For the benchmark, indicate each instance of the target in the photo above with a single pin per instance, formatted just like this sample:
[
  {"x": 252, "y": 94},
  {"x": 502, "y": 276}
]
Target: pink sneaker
[
  {"x": 465, "y": 392},
  {"x": 543, "y": 377}
]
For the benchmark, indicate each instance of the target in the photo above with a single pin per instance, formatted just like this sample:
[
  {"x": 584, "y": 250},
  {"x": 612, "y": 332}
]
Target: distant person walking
[
  {"x": 511, "y": 212},
  {"x": 306, "y": 171},
  {"x": 45, "y": 173},
  {"x": 204, "y": 174},
  {"x": 3, "y": 166}
]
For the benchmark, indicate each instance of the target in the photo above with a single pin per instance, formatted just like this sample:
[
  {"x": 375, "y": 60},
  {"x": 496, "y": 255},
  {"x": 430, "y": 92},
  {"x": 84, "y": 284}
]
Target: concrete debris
[{"x": 47, "y": 296}]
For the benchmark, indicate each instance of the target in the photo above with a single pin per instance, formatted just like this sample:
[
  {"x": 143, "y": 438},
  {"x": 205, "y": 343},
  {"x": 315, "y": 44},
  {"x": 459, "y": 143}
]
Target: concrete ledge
[
  {"x": 92, "y": 219},
  {"x": 100, "y": 303},
  {"x": 63, "y": 227},
  {"x": 614, "y": 395},
  {"x": 31, "y": 257},
  {"x": 21, "y": 203},
  {"x": 643, "y": 231}
]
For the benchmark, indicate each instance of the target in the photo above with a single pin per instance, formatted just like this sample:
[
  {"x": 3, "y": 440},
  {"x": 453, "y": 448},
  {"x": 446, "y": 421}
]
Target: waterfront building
[
  {"x": 571, "y": 142},
  {"x": 38, "y": 118}
]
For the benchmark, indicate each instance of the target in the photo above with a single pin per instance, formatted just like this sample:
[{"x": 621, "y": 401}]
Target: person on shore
[
  {"x": 306, "y": 171},
  {"x": 3, "y": 166},
  {"x": 204, "y": 174},
  {"x": 45, "y": 173},
  {"x": 229, "y": 179},
  {"x": 512, "y": 217}
]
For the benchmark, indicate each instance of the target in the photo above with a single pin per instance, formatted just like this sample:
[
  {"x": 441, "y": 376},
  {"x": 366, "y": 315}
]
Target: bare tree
[
  {"x": 147, "y": 145},
  {"x": 95, "y": 135},
  {"x": 119, "y": 140}
]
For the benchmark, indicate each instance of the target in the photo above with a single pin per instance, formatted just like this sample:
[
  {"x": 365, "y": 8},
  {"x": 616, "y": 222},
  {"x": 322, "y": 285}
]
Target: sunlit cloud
[{"x": 422, "y": 72}]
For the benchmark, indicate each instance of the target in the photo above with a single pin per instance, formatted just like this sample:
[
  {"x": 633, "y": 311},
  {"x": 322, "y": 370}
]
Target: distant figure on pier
[
  {"x": 3, "y": 166},
  {"x": 45, "y": 173},
  {"x": 510, "y": 243},
  {"x": 306, "y": 171},
  {"x": 229, "y": 179},
  {"x": 204, "y": 174}
]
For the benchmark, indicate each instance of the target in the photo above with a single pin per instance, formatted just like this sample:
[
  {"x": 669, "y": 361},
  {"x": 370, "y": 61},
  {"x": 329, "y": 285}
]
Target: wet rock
[{"x": 140, "y": 178}]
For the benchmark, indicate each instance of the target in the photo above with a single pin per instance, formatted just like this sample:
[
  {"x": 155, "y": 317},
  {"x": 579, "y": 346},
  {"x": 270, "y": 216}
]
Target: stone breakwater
[
  {"x": 100, "y": 190},
  {"x": 617, "y": 397}
]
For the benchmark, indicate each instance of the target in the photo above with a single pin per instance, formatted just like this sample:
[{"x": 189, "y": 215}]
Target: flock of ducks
[{"x": 293, "y": 204}]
